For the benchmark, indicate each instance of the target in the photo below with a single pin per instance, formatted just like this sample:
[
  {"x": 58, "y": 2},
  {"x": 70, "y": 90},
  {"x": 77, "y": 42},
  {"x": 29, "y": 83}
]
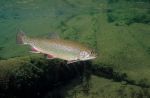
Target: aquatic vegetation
[
  {"x": 25, "y": 76},
  {"x": 117, "y": 29},
  {"x": 1, "y": 48},
  {"x": 148, "y": 50},
  {"x": 129, "y": 15},
  {"x": 28, "y": 75}
]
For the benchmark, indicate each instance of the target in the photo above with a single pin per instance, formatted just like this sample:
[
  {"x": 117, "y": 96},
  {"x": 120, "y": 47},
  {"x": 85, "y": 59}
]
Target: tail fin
[{"x": 20, "y": 38}]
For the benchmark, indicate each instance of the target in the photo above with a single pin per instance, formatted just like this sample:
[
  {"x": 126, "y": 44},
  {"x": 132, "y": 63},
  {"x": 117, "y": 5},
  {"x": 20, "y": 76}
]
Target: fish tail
[{"x": 21, "y": 38}]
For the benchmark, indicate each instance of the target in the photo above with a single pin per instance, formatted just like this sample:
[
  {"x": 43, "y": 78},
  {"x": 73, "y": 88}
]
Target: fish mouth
[
  {"x": 89, "y": 58},
  {"x": 93, "y": 57}
]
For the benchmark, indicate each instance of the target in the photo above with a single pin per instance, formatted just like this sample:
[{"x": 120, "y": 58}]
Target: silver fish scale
[
  {"x": 57, "y": 49},
  {"x": 65, "y": 48},
  {"x": 46, "y": 46}
]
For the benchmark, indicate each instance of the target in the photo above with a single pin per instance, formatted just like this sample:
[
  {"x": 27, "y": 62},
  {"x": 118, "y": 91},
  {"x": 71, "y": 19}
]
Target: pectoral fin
[{"x": 34, "y": 50}]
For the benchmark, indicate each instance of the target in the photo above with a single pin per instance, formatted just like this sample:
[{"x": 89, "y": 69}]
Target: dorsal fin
[{"x": 53, "y": 35}]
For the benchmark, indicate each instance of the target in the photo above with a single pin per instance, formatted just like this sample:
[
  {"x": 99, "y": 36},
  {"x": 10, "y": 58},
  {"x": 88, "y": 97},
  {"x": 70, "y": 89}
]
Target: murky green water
[
  {"x": 37, "y": 17},
  {"x": 119, "y": 31}
]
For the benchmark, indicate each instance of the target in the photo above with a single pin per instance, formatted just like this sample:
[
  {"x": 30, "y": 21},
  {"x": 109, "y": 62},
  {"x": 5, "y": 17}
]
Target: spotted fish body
[{"x": 57, "y": 48}]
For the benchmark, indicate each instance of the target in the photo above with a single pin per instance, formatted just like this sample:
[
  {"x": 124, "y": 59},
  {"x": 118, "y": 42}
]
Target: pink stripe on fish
[{"x": 34, "y": 49}]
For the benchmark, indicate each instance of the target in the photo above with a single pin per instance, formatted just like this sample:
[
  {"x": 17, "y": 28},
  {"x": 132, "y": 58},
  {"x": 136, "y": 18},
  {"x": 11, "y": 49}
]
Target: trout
[{"x": 70, "y": 51}]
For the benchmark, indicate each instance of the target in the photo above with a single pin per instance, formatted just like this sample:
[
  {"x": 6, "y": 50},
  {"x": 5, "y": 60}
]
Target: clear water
[
  {"x": 36, "y": 18},
  {"x": 119, "y": 31}
]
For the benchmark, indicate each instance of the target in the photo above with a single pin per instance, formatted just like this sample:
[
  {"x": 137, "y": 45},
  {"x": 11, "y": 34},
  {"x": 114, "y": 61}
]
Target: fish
[{"x": 52, "y": 48}]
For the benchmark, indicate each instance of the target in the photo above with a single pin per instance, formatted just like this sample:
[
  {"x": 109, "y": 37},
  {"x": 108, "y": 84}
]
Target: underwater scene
[{"x": 74, "y": 48}]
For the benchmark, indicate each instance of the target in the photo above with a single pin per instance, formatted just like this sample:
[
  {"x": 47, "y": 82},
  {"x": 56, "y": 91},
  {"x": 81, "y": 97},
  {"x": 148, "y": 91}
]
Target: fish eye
[{"x": 84, "y": 54}]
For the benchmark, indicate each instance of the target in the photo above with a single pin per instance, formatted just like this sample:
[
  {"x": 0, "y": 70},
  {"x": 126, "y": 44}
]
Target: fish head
[{"x": 87, "y": 55}]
